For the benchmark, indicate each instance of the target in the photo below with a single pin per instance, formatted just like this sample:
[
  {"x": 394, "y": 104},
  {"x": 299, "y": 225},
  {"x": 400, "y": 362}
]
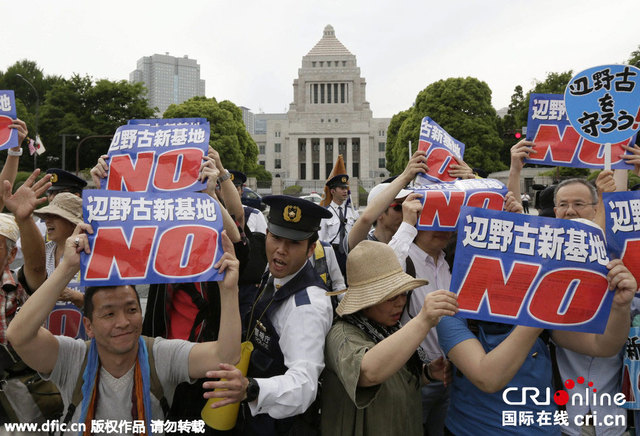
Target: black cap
[
  {"x": 62, "y": 180},
  {"x": 294, "y": 218},
  {"x": 341, "y": 180},
  {"x": 238, "y": 178},
  {"x": 545, "y": 202}
]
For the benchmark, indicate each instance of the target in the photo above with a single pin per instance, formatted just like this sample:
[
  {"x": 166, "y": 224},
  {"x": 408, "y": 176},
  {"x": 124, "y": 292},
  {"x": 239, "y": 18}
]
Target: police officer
[
  {"x": 287, "y": 325},
  {"x": 253, "y": 218},
  {"x": 335, "y": 230},
  {"x": 64, "y": 181}
]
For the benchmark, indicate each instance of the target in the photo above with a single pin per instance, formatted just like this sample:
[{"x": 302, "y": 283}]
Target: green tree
[
  {"x": 461, "y": 106},
  {"x": 228, "y": 133},
  {"x": 634, "y": 59},
  {"x": 83, "y": 107}
]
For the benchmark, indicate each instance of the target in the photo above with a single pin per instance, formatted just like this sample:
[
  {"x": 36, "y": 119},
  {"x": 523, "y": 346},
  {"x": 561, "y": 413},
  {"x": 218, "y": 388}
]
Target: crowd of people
[{"x": 349, "y": 315}]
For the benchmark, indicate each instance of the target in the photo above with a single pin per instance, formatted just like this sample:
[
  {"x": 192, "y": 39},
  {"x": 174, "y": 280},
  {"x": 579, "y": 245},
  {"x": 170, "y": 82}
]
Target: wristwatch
[
  {"x": 253, "y": 390},
  {"x": 226, "y": 176},
  {"x": 426, "y": 373}
]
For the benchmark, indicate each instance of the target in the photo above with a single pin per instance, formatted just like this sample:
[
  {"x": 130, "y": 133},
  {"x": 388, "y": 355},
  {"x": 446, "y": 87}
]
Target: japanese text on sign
[{"x": 441, "y": 151}]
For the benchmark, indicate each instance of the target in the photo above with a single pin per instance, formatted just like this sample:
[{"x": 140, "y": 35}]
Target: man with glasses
[{"x": 577, "y": 198}]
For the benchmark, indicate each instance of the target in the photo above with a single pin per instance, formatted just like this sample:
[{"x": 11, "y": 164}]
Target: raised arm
[
  {"x": 615, "y": 335},
  {"x": 209, "y": 173},
  {"x": 208, "y": 355},
  {"x": 519, "y": 153},
  {"x": 10, "y": 168},
  {"x": 228, "y": 190},
  {"x": 36, "y": 345},
  {"x": 100, "y": 170},
  {"x": 604, "y": 183},
  {"x": 388, "y": 356},
  {"x": 417, "y": 164},
  {"x": 491, "y": 371},
  {"x": 22, "y": 204}
]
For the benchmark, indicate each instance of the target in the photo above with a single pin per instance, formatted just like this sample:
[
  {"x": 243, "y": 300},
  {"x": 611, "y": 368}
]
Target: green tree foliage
[
  {"x": 228, "y": 133},
  {"x": 82, "y": 107},
  {"x": 462, "y": 106},
  {"x": 634, "y": 59}
]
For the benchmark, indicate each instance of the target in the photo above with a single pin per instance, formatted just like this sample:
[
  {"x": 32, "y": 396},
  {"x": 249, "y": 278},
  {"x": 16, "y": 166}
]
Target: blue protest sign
[
  {"x": 8, "y": 137},
  {"x": 631, "y": 370},
  {"x": 529, "y": 270},
  {"x": 151, "y": 238},
  {"x": 441, "y": 149},
  {"x": 622, "y": 221},
  {"x": 66, "y": 318},
  {"x": 558, "y": 143},
  {"x": 603, "y": 103},
  {"x": 442, "y": 202},
  {"x": 161, "y": 157}
]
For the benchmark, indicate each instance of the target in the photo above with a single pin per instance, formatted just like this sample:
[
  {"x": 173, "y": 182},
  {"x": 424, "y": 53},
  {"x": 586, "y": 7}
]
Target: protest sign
[
  {"x": 631, "y": 370},
  {"x": 167, "y": 121},
  {"x": 441, "y": 149},
  {"x": 161, "y": 157},
  {"x": 528, "y": 270},
  {"x": 66, "y": 318},
  {"x": 442, "y": 202},
  {"x": 603, "y": 103},
  {"x": 622, "y": 221},
  {"x": 8, "y": 137},
  {"x": 558, "y": 143},
  {"x": 151, "y": 238}
]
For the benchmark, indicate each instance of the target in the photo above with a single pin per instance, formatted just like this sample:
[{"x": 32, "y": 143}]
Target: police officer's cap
[
  {"x": 237, "y": 177},
  {"x": 294, "y": 218},
  {"x": 64, "y": 181},
  {"x": 341, "y": 180}
]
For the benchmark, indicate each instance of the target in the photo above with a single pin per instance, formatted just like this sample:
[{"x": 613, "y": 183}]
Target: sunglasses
[{"x": 396, "y": 206}]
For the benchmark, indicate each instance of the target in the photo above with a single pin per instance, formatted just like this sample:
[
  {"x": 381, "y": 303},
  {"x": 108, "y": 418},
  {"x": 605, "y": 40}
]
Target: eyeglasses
[
  {"x": 396, "y": 206},
  {"x": 577, "y": 206}
]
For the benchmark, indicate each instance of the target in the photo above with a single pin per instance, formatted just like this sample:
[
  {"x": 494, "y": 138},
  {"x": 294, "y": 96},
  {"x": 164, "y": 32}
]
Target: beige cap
[{"x": 65, "y": 205}]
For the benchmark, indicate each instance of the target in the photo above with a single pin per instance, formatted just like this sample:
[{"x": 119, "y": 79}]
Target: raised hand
[{"x": 27, "y": 197}]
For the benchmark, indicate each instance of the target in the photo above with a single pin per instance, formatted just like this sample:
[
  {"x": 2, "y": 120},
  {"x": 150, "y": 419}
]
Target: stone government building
[{"x": 329, "y": 115}]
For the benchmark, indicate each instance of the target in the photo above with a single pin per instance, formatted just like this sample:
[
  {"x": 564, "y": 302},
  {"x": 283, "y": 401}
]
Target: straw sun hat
[
  {"x": 65, "y": 205},
  {"x": 375, "y": 275}
]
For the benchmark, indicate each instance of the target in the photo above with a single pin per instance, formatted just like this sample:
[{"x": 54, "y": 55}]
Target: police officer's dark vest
[{"x": 267, "y": 359}]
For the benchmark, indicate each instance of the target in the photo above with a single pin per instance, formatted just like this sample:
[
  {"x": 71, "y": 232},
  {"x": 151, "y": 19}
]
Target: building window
[
  {"x": 278, "y": 147},
  {"x": 276, "y": 134},
  {"x": 315, "y": 93},
  {"x": 381, "y": 132},
  {"x": 328, "y": 92},
  {"x": 328, "y": 145},
  {"x": 302, "y": 147},
  {"x": 322, "y": 93},
  {"x": 321, "y": 64},
  {"x": 381, "y": 163},
  {"x": 303, "y": 171},
  {"x": 277, "y": 164},
  {"x": 382, "y": 146},
  {"x": 261, "y": 149},
  {"x": 342, "y": 93},
  {"x": 316, "y": 171},
  {"x": 344, "y": 63},
  {"x": 262, "y": 163},
  {"x": 313, "y": 64},
  {"x": 335, "y": 90},
  {"x": 328, "y": 168},
  {"x": 355, "y": 170},
  {"x": 328, "y": 120}
]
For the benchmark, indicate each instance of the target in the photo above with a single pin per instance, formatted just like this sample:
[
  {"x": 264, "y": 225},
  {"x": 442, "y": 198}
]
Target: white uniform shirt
[
  {"x": 302, "y": 330},
  {"x": 330, "y": 227},
  {"x": 257, "y": 222}
]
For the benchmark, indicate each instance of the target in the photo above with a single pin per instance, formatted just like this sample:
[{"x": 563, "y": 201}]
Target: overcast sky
[{"x": 250, "y": 51}]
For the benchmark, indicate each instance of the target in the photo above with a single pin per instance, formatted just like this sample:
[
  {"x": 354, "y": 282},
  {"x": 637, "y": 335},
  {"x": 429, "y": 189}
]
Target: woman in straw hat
[
  {"x": 373, "y": 364},
  {"x": 61, "y": 217}
]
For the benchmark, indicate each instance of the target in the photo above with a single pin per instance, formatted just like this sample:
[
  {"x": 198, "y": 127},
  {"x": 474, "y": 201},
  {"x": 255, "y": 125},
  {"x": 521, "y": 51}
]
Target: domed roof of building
[{"x": 329, "y": 44}]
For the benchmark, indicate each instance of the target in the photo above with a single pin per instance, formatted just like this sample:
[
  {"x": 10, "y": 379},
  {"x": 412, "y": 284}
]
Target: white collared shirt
[
  {"x": 302, "y": 330},
  {"x": 330, "y": 227}
]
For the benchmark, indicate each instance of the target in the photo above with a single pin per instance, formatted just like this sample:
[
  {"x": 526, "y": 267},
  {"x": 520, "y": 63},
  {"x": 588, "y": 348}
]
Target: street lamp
[
  {"x": 64, "y": 143},
  {"x": 35, "y": 155}
]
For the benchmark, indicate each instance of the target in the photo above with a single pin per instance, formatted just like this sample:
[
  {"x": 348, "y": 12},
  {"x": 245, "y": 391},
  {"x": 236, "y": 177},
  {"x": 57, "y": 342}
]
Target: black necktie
[{"x": 343, "y": 229}]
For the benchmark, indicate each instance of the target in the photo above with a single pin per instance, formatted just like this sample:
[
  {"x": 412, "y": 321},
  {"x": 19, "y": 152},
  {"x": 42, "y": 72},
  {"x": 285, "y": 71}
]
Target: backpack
[{"x": 156, "y": 386}]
